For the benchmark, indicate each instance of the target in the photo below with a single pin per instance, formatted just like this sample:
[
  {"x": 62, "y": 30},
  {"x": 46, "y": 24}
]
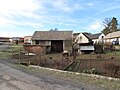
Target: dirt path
[
  {"x": 2, "y": 47},
  {"x": 14, "y": 79}
]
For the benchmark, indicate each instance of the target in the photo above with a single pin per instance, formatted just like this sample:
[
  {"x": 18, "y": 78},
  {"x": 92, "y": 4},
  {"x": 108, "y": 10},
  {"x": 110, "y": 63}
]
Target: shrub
[{"x": 112, "y": 69}]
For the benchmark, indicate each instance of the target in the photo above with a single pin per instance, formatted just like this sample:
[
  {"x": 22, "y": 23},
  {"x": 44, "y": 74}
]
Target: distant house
[
  {"x": 4, "y": 39},
  {"x": 87, "y": 41},
  {"x": 113, "y": 38},
  {"x": 54, "y": 41},
  {"x": 18, "y": 40},
  {"x": 28, "y": 39},
  {"x": 98, "y": 38},
  {"x": 89, "y": 38}
]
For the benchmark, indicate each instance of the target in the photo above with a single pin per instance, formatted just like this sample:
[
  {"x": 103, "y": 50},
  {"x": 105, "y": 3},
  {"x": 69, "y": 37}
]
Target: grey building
[{"x": 54, "y": 41}]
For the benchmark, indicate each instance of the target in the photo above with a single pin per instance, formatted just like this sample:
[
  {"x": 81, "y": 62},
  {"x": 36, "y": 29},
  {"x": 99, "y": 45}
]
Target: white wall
[
  {"x": 100, "y": 39},
  {"x": 111, "y": 40},
  {"x": 81, "y": 39}
]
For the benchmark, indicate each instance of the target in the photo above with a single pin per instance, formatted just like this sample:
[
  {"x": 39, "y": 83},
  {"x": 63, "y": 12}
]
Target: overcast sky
[{"x": 23, "y": 17}]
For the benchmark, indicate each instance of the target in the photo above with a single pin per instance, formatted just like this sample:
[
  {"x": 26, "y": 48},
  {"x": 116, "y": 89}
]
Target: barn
[{"x": 53, "y": 41}]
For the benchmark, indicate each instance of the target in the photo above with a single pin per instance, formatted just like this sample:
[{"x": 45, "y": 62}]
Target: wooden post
[
  {"x": 12, "y": 54},
  {"x": 90, "y": 61},
  {"x": 19, "y": 53}
]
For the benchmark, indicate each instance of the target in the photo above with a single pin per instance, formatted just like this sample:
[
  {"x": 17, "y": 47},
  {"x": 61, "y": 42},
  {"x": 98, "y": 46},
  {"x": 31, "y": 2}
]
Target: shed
[{"x": 54, "y": 41}]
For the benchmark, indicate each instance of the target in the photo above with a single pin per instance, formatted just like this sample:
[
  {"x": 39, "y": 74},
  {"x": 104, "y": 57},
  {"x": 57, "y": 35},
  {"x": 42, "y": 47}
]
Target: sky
[{"x": 19, "y": 18}]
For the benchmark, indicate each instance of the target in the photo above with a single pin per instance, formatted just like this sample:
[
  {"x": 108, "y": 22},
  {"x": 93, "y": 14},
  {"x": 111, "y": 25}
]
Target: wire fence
[{"x": 107, "y": 63}]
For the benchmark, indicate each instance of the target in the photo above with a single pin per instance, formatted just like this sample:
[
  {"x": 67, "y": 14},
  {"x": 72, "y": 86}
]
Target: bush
[{"x": 112, "y": 69}]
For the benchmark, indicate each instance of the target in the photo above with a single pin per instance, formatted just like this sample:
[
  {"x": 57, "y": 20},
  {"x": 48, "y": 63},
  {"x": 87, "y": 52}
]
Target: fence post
[
  {"x": 12, "y": 54},
  {"x": 19, "y": 53},
  {"x": 90, "y": 61}
]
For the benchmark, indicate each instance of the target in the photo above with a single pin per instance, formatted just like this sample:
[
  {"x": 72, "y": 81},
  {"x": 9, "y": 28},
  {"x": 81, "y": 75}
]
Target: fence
[
  {"x": 83, "y": 63},
  {"x": 17, "y": 54}
]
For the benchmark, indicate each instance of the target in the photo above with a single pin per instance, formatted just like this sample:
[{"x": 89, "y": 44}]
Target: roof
[
  {"x": 4, "y": 39},
  {"x": 113, "y": 35},
  {"x": 52, "y": 35},
  {"x": 92, "y": 36}
]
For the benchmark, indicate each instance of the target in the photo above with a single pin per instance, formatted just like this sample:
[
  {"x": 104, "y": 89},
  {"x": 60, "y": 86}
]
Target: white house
[
  {"x": 98, "y": 38},
  {"x": 87, "y": 41},
  {"x": 88, "y": 38},
  {"x": 82, "y": 38},
  {"x": 113, "y": 38},
  {"x": 28, "y": 39}
]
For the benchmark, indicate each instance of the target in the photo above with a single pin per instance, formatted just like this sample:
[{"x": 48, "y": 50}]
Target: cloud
[
  {"x": 65, "y": 5},
  {"x": 21, "y": 13},
  {"x": 105, "y": 7},
  {"x": 15, "y": 6},
  {"x": 97, "y": 26},
  {"x": 108, "y": 9},
  {"x": 30, "y": 12},
  {"x": 90, "y": 4}
]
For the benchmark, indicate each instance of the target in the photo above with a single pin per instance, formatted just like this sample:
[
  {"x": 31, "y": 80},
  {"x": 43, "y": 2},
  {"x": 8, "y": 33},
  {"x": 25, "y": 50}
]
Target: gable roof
[
  {"x": 52, "y": 35},
  {"x": 92, "y": 36},
  {"x": 113, "y": 35}
]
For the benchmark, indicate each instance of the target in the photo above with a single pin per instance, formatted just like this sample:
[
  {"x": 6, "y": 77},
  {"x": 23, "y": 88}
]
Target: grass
[
  {"x": 79, "y": 78},
  {"x": 107, "y": 55},
  {"x": 11, "y": 50}
]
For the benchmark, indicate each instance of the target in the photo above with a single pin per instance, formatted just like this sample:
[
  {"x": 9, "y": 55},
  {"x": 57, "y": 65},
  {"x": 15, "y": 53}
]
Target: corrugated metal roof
[{"x": 87, "y": 48}]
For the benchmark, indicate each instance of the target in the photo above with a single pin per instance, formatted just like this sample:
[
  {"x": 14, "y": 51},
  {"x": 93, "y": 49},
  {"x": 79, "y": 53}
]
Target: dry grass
[{"x": 79, "y": 78}]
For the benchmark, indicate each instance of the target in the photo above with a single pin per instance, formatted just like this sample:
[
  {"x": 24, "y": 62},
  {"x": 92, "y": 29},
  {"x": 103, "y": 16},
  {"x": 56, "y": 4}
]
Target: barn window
[{"x": 37, "y": 42}]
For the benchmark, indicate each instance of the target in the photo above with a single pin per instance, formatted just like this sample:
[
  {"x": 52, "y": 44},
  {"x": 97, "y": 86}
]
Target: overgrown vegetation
[
  {"x": 112, "y": 69},
  {"x": 89, "y": 63}
]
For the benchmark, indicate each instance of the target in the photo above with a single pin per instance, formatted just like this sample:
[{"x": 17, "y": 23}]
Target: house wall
[
  {"x": 33, "y": 42},
  {"x": 27, "y": 39},
  {"x": 67, "y": 45},
  {"x": 41, "y": 42},
  {"x": 95, "y": 41},
  {"x": 110, "y": 40},
  {"x": 81, "y": 39},
  {"x": 100, "y": 39}
]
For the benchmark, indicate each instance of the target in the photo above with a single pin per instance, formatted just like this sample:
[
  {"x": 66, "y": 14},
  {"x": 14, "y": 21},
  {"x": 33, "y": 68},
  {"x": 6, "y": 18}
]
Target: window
[
  {"x": 80, "y": 37},
  {"x": 37, "y": 42}
]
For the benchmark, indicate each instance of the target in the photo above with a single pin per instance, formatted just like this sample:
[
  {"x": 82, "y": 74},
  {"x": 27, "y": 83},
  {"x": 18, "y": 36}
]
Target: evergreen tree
[{"x": 113, "y": 25}]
